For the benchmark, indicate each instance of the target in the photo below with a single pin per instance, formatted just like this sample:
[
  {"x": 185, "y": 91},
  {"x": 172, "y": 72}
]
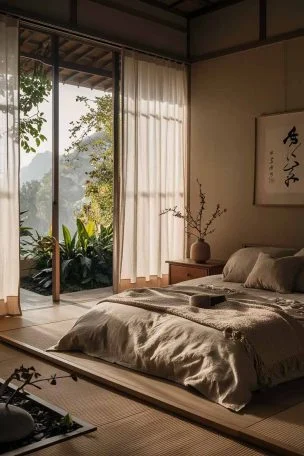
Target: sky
[{"x": 69, "y": 110}]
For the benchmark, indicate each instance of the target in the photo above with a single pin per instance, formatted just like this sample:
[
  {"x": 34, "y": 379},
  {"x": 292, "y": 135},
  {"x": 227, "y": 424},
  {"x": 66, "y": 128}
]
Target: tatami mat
[
  {"x": 33, "y": 301},
  {"x": 145, "y": 386},
  {"x": 87, "y": 296},
  {"x": 41, "y": 316},
  {"x": 125, "y": 427},
  {"x": 30, "y": 300},
  {"x": 257, "y": 424},
  {"x": 288, "y": 426}
]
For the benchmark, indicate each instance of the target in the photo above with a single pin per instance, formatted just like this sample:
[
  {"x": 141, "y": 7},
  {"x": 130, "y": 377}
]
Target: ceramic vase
[{"x": 200, "y": 251}]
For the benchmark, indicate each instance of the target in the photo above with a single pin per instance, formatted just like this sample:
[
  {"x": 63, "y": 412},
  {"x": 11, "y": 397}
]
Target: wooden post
[
  {"x": 73, "y": 12},
  {"x": 188, "y": 161},
  {"x": 55, "y": 172},
  {"x": 263, "y": 19},
  {"x": 116, "y": 152}
]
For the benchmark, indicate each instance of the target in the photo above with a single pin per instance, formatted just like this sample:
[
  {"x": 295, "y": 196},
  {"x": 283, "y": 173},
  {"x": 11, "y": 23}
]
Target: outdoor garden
[{"x": 85, "y": 191}]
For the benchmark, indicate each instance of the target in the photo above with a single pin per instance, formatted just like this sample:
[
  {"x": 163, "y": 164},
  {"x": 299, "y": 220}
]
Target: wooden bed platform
[{"x": 273, "y": 421}]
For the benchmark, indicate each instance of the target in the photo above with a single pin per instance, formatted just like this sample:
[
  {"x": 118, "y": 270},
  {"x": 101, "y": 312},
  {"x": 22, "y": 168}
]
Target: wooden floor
[
  {"x": 30, "y": 300},
  {"x": 273, "y": 421}
]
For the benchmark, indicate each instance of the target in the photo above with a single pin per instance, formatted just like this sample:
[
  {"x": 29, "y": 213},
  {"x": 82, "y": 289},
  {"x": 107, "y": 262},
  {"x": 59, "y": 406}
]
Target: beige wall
[
  {"x": 138, "y": 31},
  {"x": 227, "y": 94},
  {"x": 225, "y": 28},
  {"x": 284, "y": 16},
  {"x": 238, "y": 24}
]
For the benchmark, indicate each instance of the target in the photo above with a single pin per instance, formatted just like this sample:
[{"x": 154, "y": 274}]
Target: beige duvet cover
[{"x": 183, "y": 349}]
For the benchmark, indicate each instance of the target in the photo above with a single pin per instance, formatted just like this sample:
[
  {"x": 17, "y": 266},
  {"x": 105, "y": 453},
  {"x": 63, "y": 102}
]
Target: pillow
[
  {"x": 300, "y": 252},
  {"x": 276, "y": 274},
  {"x": 242, "y": 261},
  {"x": 299, "y": 286}
]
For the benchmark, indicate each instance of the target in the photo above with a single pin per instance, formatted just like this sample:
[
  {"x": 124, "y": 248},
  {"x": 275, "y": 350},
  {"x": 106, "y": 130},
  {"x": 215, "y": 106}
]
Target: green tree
[
  {"x": 99, "y": 185},
  {"x": 29, "y": 203},
  {"x": 35, "y": 88}
]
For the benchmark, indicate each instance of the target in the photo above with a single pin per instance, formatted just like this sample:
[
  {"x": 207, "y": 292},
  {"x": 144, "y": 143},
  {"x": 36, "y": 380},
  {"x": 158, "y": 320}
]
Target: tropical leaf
[
  {"x": 85, "y": 261},
  {"x": 65, "y": 265},
  {"x": 47, "y": 283},
  {"x": 66, "y": 236},
  {"x": 85, "y": 257},
  {"x": 90, "y": 228}
]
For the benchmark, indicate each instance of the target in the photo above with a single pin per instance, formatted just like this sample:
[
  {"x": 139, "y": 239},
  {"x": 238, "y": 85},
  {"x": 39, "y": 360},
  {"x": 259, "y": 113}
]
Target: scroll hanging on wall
[{"x": 279, "y": 161}]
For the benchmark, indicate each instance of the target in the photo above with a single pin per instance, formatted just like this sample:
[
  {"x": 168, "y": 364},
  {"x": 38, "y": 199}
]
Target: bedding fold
[
  {"x": 225, "y": 352},
  {"x": 255, "y": 323}
]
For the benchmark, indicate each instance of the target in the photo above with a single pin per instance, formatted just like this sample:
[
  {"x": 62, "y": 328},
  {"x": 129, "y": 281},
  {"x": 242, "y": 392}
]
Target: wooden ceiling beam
[
  {"x": 70, "y": 65},
  {"x": 83, "y": 80},
  {"x": 108, "y": 86},
  {"x": 164, "y": 6},
  {"x": 90, "y": 77},
  {"x": 24, "y": 36},
  {"x": 145, "y": 15},
  {"x": 213, "y": 7},
  {"x": 176, "y": 3},
  {"x": 71, "y": 51},
  {"x": 86, "y": 69},
  {"x": 103, "y": 57},
  {"x": 85, "y": 53},
  {"x": 69, "y": 78},
  {"x": 104, "y": 62},
  {"x": 208, "y": 6},
  {"x": 96, "y": 84}
]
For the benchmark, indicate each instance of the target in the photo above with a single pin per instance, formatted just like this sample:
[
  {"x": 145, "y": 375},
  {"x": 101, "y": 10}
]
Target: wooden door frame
[
  {"x": 54, "y": 61},
  {"x": 55, "y": 171},
  {"x": 117, "y": 163}
]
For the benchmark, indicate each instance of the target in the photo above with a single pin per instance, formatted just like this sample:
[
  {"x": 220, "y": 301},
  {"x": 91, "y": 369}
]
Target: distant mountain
[
  {"x": 42, "y": 162},
  {"x": 36, "y": 185},
  {"x": 39, "y": 166}
]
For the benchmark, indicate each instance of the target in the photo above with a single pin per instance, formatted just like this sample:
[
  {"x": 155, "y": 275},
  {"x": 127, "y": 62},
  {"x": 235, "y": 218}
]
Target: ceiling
[
  {"x": 190, "y": 8},
  {"x": 80, "y": 62}
]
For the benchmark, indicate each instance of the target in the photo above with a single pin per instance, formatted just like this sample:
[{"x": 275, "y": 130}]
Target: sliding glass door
[{"x": 67, "y": 163}]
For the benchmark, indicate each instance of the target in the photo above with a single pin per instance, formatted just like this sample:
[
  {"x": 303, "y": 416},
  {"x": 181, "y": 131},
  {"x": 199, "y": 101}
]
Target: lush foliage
[
  {"x": 99, "y": 185},
  {"x": 31, "y": 201},
  {"x": 86, "y": 174},
  {"x": 40, "y": 248},
  {"x": 36, "y": 195},
  {"x": 25, "y": 232},
  {"x": 35, "y": 88},
  {"x": 85, "y": 257},
  {"x": 194, "y": 224}
]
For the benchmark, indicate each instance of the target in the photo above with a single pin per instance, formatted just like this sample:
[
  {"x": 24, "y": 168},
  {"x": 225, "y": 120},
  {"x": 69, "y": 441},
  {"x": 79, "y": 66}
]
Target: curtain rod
[
  {"x": 114, "y": 46},
  {"x": 107, "y": 43}
]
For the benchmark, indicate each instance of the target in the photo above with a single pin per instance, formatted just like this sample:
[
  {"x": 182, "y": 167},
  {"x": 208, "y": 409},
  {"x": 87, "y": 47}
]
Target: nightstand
[{"x": 187, "y": 269}]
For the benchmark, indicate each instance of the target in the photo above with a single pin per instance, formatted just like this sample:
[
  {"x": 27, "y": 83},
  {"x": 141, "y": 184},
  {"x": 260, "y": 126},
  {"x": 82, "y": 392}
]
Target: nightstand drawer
[{"x": 182, "y": 273}]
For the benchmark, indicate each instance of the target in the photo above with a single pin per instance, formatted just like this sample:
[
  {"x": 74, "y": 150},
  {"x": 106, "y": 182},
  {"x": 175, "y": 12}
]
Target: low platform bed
[{"x": 252, "y": 340}]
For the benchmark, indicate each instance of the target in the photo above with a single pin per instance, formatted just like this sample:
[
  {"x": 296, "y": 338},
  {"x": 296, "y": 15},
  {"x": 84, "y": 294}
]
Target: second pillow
[{"x": 275, "y": 274}]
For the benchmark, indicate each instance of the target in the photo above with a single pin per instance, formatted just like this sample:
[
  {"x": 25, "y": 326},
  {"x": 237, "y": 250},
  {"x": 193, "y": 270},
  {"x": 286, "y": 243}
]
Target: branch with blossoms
[{"x": 194, "y": 224}]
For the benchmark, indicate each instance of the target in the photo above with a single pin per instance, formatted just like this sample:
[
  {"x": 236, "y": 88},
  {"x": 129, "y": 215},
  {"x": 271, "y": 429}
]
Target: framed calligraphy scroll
[{"x": 279, "y": 161}]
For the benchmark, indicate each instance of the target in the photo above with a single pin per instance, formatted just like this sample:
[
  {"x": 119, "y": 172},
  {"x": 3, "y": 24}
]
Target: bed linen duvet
[{"x": 254, "y": 339}]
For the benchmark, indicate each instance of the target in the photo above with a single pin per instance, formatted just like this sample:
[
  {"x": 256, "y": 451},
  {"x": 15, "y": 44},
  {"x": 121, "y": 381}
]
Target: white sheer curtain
[
  {"x": 153, "y": 165},
  {"x": 9, "y": 168}
]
